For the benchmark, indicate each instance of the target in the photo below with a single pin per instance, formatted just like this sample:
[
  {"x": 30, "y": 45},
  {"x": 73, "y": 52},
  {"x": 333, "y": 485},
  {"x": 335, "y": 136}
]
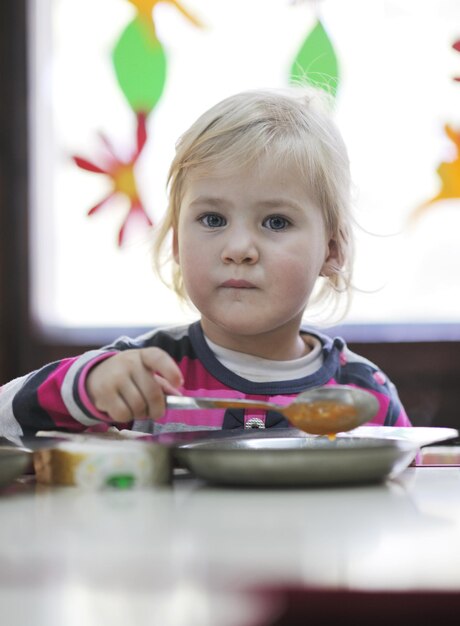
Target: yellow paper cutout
[{"x": 145, "y": 9}]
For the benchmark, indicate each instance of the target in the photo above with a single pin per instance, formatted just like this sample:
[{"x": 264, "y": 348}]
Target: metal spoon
[{"x": 319, "y": 411}]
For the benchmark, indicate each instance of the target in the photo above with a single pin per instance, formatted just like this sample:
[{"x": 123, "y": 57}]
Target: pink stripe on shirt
[
  {"x": 50, "y": 399},
  {"x": 197, "y": 377},
  {"x": 207, "y": 417}
]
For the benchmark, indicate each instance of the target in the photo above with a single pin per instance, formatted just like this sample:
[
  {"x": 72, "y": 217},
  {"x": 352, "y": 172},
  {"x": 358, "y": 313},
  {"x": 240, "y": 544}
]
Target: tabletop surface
[{"x": 180, "y": 555}]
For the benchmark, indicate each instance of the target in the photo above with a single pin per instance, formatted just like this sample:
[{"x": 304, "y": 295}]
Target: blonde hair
[{"x": 293, "y": 126}]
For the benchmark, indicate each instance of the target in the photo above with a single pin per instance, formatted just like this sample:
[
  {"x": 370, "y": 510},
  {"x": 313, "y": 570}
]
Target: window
[{"x": 396, "y": 94}]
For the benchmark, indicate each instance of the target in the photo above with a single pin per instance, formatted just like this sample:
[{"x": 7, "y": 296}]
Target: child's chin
[{"x": 245, "y": 327}]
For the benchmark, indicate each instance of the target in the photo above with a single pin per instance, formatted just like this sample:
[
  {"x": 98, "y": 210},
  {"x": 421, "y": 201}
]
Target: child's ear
[
  {"x": 175, "y": 246},
  {"x": 334, "y": 259}
]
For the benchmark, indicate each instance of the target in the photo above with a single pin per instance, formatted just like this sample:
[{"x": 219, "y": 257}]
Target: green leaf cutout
[
  {"x": 140, "y": 65},
  {"x": 316, "y": 62}
]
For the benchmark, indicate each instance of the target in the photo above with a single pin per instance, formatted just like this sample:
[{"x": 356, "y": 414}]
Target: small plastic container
[{"x": 104, "y": 464}]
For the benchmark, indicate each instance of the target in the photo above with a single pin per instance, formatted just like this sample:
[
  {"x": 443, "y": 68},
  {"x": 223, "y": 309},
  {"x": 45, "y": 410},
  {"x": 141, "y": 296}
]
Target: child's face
[{"x": 251, "y": 245}]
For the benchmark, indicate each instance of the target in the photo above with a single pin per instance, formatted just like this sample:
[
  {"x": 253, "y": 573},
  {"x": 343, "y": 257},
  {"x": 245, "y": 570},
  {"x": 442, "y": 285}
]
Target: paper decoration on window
[
  {"x": 448, "y": 171},
  {"x": 122, "y": 177},
  {"x": 140, "y": 65},
  {"x": 456, "y": 46},
  {"x": 316, "y": 61}
]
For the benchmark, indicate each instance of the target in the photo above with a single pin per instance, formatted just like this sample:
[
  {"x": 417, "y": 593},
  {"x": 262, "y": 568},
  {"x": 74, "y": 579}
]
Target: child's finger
[
  {"x": 150, "y": 402},
  {"x": 135, "y": 398},
  {"x": 118, "y": 409},
  {"x": 159, "y": 362},
  {"x": 166, "y": 386}
]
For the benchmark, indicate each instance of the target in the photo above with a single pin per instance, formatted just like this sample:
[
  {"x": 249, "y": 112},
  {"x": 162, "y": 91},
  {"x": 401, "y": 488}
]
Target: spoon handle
[{"x": 187, "y": 402}]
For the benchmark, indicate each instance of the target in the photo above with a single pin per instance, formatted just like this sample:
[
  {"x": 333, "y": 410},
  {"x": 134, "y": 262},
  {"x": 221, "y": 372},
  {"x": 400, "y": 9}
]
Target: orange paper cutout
[
  {"x": 145, "y": 9},
  {"x": 449, "y": 173}
]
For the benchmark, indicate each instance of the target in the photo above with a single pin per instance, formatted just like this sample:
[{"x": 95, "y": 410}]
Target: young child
[{"x": 258, "y": 220}]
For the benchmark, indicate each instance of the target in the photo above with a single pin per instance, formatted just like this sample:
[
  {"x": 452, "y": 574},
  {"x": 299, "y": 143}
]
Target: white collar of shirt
[{"x": 257, "y": 369}]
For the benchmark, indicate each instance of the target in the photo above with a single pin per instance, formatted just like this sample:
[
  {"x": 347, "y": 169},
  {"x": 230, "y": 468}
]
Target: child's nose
[{"x": 240, "y": 247}]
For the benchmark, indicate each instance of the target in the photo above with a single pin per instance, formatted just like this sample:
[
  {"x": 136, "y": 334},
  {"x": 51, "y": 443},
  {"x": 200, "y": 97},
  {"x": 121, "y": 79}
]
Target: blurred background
[{"x": 94, "y": 96}]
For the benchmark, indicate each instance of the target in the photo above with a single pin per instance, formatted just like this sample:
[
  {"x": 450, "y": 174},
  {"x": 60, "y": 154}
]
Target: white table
[{"x": 182, "y": 556}]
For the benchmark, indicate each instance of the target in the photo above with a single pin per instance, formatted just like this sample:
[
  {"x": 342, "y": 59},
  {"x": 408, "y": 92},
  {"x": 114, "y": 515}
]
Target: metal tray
[{"x": 295, "y": 460}]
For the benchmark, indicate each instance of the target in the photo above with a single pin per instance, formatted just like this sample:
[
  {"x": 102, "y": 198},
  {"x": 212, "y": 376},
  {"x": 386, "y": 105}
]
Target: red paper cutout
[{"x": 122, "y": 176}]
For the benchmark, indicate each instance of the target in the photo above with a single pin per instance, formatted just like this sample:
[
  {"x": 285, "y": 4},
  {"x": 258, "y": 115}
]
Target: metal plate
[
  {"x": 295, "y": 460},
  {"x": 418, "y": 435},
  {"x": 13, "y": 463}
]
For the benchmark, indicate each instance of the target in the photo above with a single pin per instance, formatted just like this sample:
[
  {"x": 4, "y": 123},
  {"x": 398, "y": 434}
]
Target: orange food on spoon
[{"x": 304, "y": 416}]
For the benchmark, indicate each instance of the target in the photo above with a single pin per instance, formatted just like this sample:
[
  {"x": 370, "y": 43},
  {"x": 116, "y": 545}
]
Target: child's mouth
[{"x": 238, "y": 284}]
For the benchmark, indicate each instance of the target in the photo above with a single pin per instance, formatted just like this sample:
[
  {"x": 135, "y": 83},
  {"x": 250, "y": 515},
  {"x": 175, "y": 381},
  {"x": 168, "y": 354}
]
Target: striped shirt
[{"x": 54, "y": 397}]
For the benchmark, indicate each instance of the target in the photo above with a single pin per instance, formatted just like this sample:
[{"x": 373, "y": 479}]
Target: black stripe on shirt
[{"x": 26, "y": 408}]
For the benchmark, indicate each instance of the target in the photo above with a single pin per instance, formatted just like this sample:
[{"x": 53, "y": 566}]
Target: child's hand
[{"x": 131, "y": 384}]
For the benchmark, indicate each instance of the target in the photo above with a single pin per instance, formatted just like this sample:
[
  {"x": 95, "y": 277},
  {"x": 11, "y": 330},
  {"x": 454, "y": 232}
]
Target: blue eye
[
  {"x": 213, "y": 220},
  {"x": 276, "y": 222}
]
